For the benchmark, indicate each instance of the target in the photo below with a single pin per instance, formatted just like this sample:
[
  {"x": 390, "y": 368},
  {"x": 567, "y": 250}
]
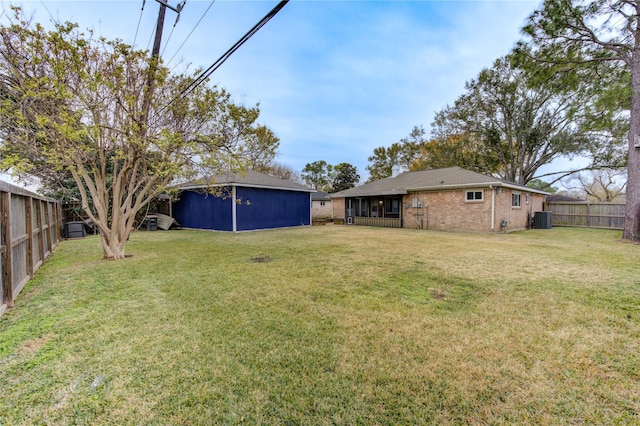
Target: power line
[
  {"x": 151, "y": 36},
  {"x": 135, "y": 37},
  {"x": 177, "y": 10},
  {"x": 169, "y": 38},
  {"x": 206, "y": 73},
  {"x": 194, "y": 28}
]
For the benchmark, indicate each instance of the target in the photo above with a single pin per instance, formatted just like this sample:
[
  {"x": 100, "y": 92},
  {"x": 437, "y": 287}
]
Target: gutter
[
  {"x": 247, "y": 185},
  {"x": 493, "y": 207},
  {"x": 490, "y": 185}
]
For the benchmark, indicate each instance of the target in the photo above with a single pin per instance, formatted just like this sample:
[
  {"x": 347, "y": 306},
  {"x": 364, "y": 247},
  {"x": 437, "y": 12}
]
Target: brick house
[{"x": 450, "y": 199}]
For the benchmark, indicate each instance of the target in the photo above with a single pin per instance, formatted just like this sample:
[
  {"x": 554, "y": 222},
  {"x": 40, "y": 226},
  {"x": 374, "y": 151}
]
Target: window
[
  {"x": 322, "y": 203},
  {"x": 515, "y": 200},
  {"x": 391, "y": 205},
  {"x": 474, "y": 196},
  {"x": 362, "y": 207}
]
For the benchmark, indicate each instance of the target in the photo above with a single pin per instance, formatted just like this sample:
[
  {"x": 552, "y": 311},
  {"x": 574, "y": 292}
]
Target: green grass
[{"x": 329, "y": 325}]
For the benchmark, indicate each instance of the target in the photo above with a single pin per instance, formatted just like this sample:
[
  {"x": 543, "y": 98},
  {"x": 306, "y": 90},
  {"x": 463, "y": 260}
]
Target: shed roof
[
  {"x": 249, "y": 178},
  {"x": 429, "y": 180},
  {"x": 320, "y": 196}
]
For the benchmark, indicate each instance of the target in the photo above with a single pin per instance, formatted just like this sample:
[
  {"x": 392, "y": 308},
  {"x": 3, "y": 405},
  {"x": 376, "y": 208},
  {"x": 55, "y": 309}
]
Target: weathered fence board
[
  {"x": 587, "y": 215},
  {"x": 30, "y": 229}
]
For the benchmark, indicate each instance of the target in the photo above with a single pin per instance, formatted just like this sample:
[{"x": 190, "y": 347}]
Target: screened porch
[{"x": 383, "y": 212}]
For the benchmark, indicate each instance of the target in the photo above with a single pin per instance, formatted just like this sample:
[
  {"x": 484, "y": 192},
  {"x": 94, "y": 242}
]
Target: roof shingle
[
  {"x": 248, "y": 178},
  {"x": 427, "y": 180}
]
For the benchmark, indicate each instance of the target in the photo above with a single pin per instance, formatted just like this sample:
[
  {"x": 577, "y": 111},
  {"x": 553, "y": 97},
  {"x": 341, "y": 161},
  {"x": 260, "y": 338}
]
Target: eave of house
[
  {"x": 245, "y": 185},
  {"x": 478, "y": 185},
  {"x": 443, "y": 187}
]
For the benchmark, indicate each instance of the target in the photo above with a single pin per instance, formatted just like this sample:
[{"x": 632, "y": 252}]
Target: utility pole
[
  {"x": 155, "y": 53},
  {"x": 163, "y": 8},
  {"x": 155, "y": 59}
]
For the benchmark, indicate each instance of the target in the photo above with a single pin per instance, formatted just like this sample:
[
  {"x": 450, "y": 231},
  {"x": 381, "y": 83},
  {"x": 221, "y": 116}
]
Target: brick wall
[
  {"x": 517, "y": 217},
  {"x": 319, "y": 211},
  {"x": 337, "y": 204},
  {"x": 449, "y": 210}
]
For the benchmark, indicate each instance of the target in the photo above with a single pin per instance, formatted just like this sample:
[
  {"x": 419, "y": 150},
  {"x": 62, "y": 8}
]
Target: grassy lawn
[{"x": 329, "y": 325}]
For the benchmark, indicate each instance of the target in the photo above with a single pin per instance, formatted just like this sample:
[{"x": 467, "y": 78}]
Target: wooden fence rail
[
  {"x": 587, "y": 215},
  {"x": 30, "y": 229}
]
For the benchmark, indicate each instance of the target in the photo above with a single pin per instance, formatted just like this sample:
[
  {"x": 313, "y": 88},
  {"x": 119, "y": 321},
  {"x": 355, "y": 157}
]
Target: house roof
[
  {"x": 320, "y": 196},
  {"x": 564, "y": 198},
  {"x": 248, "y": 179},
  {"x": 430, "y": 180}
]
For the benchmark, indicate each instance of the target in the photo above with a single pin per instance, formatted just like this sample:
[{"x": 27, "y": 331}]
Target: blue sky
[{"x": 334, "y": 79}]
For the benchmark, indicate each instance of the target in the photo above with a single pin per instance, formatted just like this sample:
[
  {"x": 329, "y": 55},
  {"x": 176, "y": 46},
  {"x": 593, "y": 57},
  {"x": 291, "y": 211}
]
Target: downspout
[
  {"x": 233, "y": 209},
  {"x": 493, "y": 207}
]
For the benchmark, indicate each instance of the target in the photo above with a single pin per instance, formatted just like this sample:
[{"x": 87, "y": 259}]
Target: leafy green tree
[
  {"x": 318, "y": 175},
  {"x": 382, "y": 162},
  {"x": 514, "y": 124},
  {"x": 588, "y": 42},
  {"x": 542, "y": 186},
  {"x": 462, "y": 150},
  {"x": 258, "y": 147},
  {"x": 400, "y": 154},
  {"x": 345, "y": 176},
  {"x": 112, "y": 119}
]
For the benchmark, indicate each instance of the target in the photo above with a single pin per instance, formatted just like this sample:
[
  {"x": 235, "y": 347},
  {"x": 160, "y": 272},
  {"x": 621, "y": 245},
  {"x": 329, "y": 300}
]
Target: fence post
[
  {"x": 29, "y": 226},
  {"x": 40, "y": 231},
  {"x": 7, "y": 257},
  {"x": 58, "y": 222}
]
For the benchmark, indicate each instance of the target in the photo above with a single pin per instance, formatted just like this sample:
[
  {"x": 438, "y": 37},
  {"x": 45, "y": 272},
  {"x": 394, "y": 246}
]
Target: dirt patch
[
  {"x": 437, "y": 294},
  {"x": 261, "y": 258},
  {"x": 32, "y": 346}
]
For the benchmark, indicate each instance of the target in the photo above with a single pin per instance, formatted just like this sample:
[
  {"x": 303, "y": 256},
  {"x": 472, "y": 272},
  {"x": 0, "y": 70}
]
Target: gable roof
[
  {"x": 248, "y": 179},
  {"x": 430, "y": 180}
]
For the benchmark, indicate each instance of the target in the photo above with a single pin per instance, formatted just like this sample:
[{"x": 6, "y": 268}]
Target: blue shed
[{"x": 244, "y": 202}]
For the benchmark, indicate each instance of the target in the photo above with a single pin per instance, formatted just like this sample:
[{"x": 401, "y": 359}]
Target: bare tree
[
  {"x": 284, "y": 171},
  {"x": 602, "y": 185}
]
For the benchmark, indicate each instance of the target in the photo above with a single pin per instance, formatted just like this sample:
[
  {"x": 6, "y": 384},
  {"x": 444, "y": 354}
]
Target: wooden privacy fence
[
  {"x": 587, "y": 215},
  {"x": 29, "y": 231}
]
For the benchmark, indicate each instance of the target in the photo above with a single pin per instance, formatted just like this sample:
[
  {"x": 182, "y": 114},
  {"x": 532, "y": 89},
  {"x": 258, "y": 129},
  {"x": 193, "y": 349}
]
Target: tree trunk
[
  {"x": 112, "y": 248},
  {"x": 632, "y": 213},
  {"x": 114, "y": 241}
]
